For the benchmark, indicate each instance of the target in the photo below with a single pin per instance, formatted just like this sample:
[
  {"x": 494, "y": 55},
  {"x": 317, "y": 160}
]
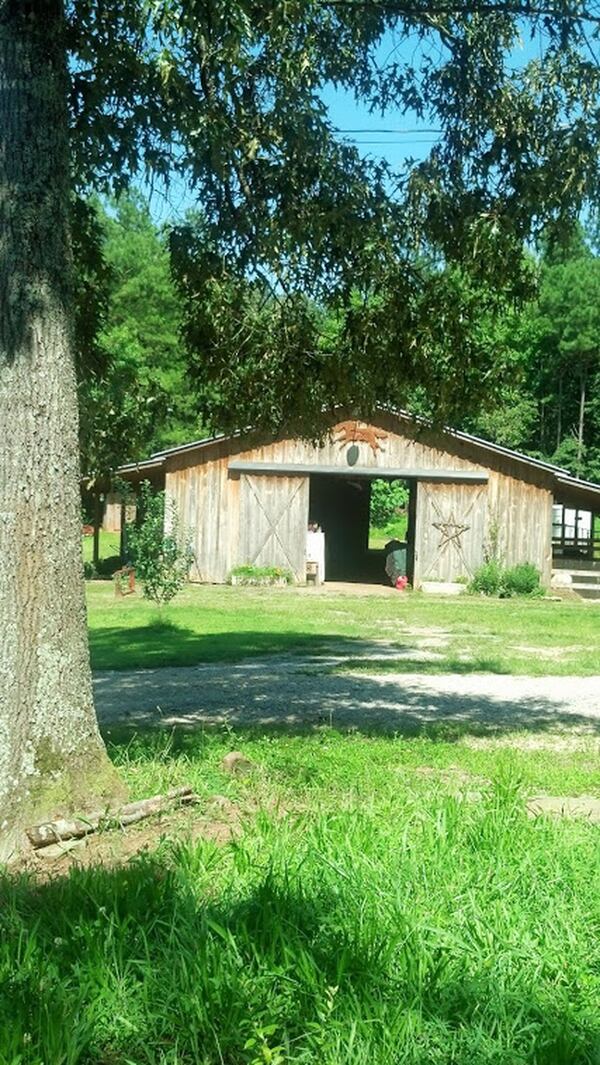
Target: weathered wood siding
[
  {"x": 111, "y": 521},
  {"x": 273, "y": 522},
  {"x": 521, "y": 514},
  {"x": 210, "y": 500},
  {"x": 451, "y": 531}
]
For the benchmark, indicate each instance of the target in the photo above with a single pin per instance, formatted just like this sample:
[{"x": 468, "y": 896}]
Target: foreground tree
[
  {"x": 50, "y": 747},
  {"x": 229, "y": 92}
]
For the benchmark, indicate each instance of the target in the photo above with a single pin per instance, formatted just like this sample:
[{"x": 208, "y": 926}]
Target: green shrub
[
  {"x": 161, "y": 560},
  {"x": 89, "y": 571},
  {"x": 493, "y": 579},
  {"x": 107, "y": 566},
  {"x": 260, "y": 575},
  {"x": 487, "y": 580},
  {"x": 523, "y": 579}
]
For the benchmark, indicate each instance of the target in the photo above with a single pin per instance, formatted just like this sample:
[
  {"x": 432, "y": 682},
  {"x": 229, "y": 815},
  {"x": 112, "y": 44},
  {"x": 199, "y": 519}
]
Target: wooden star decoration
[{"x": 451, "y": 530}]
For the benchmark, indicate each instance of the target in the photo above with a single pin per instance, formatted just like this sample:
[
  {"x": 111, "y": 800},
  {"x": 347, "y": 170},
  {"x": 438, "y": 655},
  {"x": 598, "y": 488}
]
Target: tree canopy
[
  {"x": 134, "y": 392},
  {"x": 551, "y": 408},
  {"x": 228, "y": 97}
]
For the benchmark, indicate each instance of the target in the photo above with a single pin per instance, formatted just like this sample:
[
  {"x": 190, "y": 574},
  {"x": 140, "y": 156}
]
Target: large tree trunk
[
  {"x": 97, "y": 524},
  {"x": 51, "y": 754},
  {"x": 581, "y": 425}
]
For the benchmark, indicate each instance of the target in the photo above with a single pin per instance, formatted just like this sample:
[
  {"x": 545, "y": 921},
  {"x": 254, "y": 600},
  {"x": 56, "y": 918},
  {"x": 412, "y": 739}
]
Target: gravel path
[{"x": 299, "y": 692}]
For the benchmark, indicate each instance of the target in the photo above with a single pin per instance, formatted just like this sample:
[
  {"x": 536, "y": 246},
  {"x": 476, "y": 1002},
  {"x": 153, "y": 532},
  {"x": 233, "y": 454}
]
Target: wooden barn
[{"x": 247, "y": 500}]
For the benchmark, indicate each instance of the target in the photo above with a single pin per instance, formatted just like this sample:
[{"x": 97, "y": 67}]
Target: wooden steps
[{"x": 586, "y": 582}]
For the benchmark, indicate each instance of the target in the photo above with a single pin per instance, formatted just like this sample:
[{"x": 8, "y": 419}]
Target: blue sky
[
  {"x": 394, "y": 136},
  {"x": 410, "y": 137}
]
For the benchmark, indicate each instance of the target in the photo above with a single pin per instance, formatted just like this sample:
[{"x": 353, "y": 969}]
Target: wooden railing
[{"x": 576, "y": 546}]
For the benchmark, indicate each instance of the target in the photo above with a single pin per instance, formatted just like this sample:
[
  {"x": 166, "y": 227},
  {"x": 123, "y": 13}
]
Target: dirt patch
[
  {"x": 219, "y": 820},
  {"x": 304, "y": 692},
  {"x": 579, "y": 739},
  {"x": 545, "y": 652},
  {"x": 581, "y": 807},
  {"x": 434, "y": 643}
]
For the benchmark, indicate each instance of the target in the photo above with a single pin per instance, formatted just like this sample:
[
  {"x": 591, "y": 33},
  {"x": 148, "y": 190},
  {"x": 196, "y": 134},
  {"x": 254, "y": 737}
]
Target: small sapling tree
[{"x": 158, "y": 548}]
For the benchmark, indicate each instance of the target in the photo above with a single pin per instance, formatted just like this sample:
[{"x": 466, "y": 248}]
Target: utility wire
[
  {"x": 375, "y": 129},
  {"x": 360, "y": 144},
  {"x": 499, "y": 8}
]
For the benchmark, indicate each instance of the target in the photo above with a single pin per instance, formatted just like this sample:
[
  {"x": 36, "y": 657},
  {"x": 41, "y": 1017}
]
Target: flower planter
[{"x": 260, "y": 582}]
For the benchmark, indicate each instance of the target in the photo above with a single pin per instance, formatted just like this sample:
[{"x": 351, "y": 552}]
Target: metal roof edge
[
  {"x": 143, "y": 464},
  {"x": 203, "y": 442},
  {"x": 479, "y": 441},
  {"x": 159, "y": 457},
  {"x": 576, "y": 482}
]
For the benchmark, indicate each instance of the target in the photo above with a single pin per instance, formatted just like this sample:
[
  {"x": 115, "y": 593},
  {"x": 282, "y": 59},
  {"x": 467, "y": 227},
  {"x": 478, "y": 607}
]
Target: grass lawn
[
  {"x": 394, "y": 530},
  {"x": 219, "y": 623},
  {"x": 110, "y": 544},
  {"x": 385, "y": 901},
  {"x": 352, "y": 900}
]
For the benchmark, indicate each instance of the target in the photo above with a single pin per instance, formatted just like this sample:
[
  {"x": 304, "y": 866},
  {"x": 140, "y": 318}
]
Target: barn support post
[
  {"x": 123, "y": 532},
  {"x": 411, "y": 532},
  {"x": 97, "y": 524}
]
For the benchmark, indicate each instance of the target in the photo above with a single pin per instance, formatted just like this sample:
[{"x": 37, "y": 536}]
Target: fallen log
[{"x": 56, "y": 831}]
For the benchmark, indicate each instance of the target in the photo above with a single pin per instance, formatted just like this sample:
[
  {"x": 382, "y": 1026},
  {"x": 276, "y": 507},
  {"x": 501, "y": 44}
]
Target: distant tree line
[
  {"x": 143, "y": 389},
  {"x": 135, "y": 394},
  {"x": 551, "y": 407}
]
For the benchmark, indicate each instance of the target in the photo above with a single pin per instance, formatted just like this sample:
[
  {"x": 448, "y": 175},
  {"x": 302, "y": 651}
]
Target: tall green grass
[{"x": 383, "y": 919}]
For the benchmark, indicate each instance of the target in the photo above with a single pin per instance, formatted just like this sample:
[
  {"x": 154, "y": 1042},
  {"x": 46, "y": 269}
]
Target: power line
[
  {"x": 498, "y": 7},
  {"x": 375, "y": 129},
  {"x": 360, "y": 144}
]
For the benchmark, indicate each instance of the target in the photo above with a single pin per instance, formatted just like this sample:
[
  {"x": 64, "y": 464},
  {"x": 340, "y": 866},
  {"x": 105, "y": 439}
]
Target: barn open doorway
[{"x": 345, "y": 507}]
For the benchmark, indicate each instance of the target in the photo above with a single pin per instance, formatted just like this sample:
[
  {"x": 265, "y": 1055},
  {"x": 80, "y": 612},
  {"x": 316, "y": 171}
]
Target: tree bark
[
  {"x": 52, "y": 758},
  {"x": 580, "y": 427},
  {"x": 97, "y": 524}
]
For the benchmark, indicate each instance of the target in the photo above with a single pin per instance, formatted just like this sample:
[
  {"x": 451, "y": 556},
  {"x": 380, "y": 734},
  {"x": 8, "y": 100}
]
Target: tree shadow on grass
[
  {"x": 299, "y": 683},
  {"x": 163, "y": 961},
  {"x": 165, "y": 643}
]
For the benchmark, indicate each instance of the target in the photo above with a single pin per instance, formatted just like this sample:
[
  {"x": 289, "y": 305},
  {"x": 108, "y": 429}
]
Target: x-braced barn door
[
  {"x": 273, "y": 522},
  {"x": 450, "y": 530}
]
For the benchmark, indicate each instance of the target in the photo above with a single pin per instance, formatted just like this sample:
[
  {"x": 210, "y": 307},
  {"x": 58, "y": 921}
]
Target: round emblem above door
[{"x": 352, "y": 455}]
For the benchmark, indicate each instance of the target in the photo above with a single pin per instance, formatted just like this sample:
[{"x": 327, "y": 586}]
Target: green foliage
[
  {"x": 135, "y": 397},
  {"x": 390, "y": 901},
  {"x": 487, "y": 580},
  {"x": 261, "y": 575},
  {"x": 406, "y": 268},
  {"x": 162, "y": 562},
  {"x": 523, "y": 579},
  {"x": 492, "y": 578},
  {"x": 89, "y": 571},
  {"x": 107, "y": 566},
  {"x": 551, "y": 407},
  {"x": 388, "y": 499}
]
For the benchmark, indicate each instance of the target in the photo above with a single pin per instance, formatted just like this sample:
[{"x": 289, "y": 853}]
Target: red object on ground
[{"x": 401, "y": 583}]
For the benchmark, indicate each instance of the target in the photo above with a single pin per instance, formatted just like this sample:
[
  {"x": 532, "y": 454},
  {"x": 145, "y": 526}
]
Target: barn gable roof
[{"x": 587, "y": 493}]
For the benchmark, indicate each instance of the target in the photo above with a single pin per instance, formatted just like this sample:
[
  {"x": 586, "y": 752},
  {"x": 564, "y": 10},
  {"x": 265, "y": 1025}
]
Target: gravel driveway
[{"x": 299, "y": 692}]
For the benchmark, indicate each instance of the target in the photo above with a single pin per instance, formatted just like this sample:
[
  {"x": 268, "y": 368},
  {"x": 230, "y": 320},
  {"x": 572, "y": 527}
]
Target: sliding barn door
[
  {"x": 273, "y": 522},
  {"x": 450, "y": 530}
]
